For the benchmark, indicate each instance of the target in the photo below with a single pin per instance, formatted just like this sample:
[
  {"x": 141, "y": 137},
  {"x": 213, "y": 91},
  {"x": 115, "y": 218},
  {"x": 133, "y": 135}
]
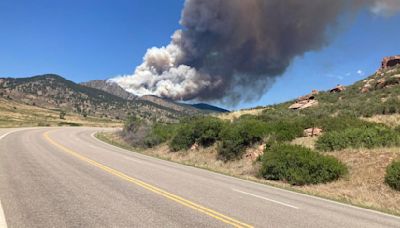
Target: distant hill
[
  {"x": 110, "y": 87},
  {"x": 209, "y": 108},
  {"x": 54, "y": 92},
  {"x": 186, "y": 109},
  {"x": 171, "y": 104}
]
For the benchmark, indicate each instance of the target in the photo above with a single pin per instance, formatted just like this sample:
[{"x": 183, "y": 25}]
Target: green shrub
[
  {"x": 184, "y": 138},
  {"x": 235, "y": 137},
  {"x": 299, "y": 165},
  {"x": 207, "y": 130},
  {"x": 135, "y": 131},
  {"x": 364, "y": 137},
  {"x": 283, "y": 131},
  {"x": 392, "y": 177},
  {"x": 160, "y": 133},
  {"x": 339, "y": 123},
  {"x": 131, "y": 123},
  {"x": 202, "y": 130}
]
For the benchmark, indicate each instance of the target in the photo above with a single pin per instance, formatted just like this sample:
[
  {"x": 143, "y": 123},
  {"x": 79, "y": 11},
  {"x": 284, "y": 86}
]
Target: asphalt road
[{"x": 64, "y": 177}]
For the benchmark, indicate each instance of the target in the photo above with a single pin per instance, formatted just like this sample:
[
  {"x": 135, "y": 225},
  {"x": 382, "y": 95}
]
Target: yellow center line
[{"x": 173, "y": 197}]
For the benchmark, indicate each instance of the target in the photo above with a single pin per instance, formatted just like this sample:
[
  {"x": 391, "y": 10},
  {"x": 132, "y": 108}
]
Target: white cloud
[
  {"x": 360, "y": 72},
  {"x": 335, "y": 76}
]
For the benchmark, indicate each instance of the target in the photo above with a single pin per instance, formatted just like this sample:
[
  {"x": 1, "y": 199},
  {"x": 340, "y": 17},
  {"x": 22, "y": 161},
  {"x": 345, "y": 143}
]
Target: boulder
[
  {"x": 303, "y": 104},
  {"x": 367, "y": 86},
  {"x": 194, "y": 147},
  {"x": 305, "y": 101},
  {"x": 338, "y": 89},
  {"x": 253, "y": 153},
  {"x": 365, "y": 89},
  {"x": 380, "y": 83},
  {"x": 311, "y": 132}
]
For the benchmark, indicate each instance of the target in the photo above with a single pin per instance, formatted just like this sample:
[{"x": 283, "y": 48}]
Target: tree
[{"x": 62, "y": 115}]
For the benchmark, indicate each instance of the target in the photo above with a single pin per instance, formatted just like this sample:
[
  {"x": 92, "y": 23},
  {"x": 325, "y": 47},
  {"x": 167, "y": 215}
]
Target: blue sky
[{"x": 98, "y": 39}]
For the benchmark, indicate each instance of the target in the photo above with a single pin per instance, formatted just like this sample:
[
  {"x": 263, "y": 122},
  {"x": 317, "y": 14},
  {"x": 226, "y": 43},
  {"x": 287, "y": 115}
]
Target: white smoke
[
  {"x": 234, "y": 49},
  {"x": 162, "y": 74},
  {"x": 385, "y": 7}
]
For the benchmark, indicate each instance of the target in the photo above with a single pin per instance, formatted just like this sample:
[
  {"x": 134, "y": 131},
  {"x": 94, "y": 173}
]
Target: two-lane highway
[{"x": 64, "y": 177}]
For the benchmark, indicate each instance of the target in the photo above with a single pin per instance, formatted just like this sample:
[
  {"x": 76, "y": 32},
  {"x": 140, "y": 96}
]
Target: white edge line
[
  {"x": 269, "y": 186},
  {"x": 3, "y": 223},
  {"x": 8, "y": 133},
  {"x": 267, "y": 199},
  {"x": 16, "y": 130}
]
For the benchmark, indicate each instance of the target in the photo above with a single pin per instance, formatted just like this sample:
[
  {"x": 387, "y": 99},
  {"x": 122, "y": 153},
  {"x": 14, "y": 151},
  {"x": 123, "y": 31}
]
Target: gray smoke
[{"x": 233, "y": 50}]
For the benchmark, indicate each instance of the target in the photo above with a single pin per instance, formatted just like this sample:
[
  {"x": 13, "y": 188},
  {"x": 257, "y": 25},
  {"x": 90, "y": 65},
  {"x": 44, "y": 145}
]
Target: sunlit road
[{"x": 64, "y": 177}]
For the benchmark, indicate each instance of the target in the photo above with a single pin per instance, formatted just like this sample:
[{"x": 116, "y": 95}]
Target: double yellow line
[{"x": 178, "y": 199}]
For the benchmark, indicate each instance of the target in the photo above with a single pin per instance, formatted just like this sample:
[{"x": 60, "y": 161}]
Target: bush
[
  {"x": 235, "y": 137},
  {"x": 283, "y": 131},
  {"x": 62, "y": 114},
  {"x": 299, "y": 165},
  {"x": 392, "y": 177},
  {"x": 184, "y": 138},
  {"x": 160, "y": 133},
  {"x": 364, "y": 137},
  {"x": 202, "y": 130},
  {"x": 207, "y": 130},
  {"x": 135, "y": 131}
]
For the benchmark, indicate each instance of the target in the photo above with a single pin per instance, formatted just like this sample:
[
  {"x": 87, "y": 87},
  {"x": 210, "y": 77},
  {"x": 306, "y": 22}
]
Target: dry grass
[
  {"x": 389, "y": 120},
  {"x": 364, "y": 185},
  {"x": 13, "y": 114},
  {"x": 234, "y": 115},
  {"x": 308, "y": 142}
]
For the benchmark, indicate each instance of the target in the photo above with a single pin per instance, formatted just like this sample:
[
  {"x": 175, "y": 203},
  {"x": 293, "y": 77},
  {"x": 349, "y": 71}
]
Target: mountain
[
  {"x": 171, "y": 104},
  {"x": 209, "y": 108},
  {"x": 115, "y": 89},
  {"x": 110, "y": 87},
  {"x": 54, "y": 92}
]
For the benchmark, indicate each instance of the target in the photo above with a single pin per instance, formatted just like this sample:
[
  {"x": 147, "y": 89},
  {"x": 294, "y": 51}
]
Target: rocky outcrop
[
  {"x": 390, "y": 61},
  {"x": 381, "y": 80},
  {"x": 305, "y": 101},
  {"x": 311, "y": 132},
  {"x": 303, "y": 104},
  {"x": 338, "y": 89},
  {"x": 253, "y": 153}
]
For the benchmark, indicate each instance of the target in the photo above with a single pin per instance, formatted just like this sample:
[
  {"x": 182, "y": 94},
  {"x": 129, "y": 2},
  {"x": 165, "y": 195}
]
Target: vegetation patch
[
  {"x": 236, "y": 136},
  {"x": 202, "y": 130},
  {"x": 299, "y": 165},
  {"x": 362, "y": 137},
  {"x": 70, "y": 124},
  {"x": 392, "y": 177}
]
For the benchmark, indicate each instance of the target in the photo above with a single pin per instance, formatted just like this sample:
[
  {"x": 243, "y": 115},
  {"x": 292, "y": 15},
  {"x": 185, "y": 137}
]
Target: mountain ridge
[
  {"x": 115, "y": 89},
  {"x": 52, "y": 91}
]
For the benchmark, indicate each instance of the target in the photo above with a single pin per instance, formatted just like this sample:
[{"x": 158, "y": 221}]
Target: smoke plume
[{"x": 233, "y": 50}]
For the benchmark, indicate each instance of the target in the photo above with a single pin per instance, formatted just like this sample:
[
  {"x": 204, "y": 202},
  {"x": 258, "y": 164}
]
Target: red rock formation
[
  {"x": 305, "y": 101},
  {"x": 338, "y": 89},
  {"x": 390, "y": 61}
]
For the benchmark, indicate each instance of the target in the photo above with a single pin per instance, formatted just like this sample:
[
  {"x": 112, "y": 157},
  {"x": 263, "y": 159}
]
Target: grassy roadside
[{"x": 351, "y": 190}]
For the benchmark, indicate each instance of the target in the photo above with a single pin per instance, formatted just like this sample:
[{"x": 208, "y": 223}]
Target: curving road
[{"x": 64, "y": 177}]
